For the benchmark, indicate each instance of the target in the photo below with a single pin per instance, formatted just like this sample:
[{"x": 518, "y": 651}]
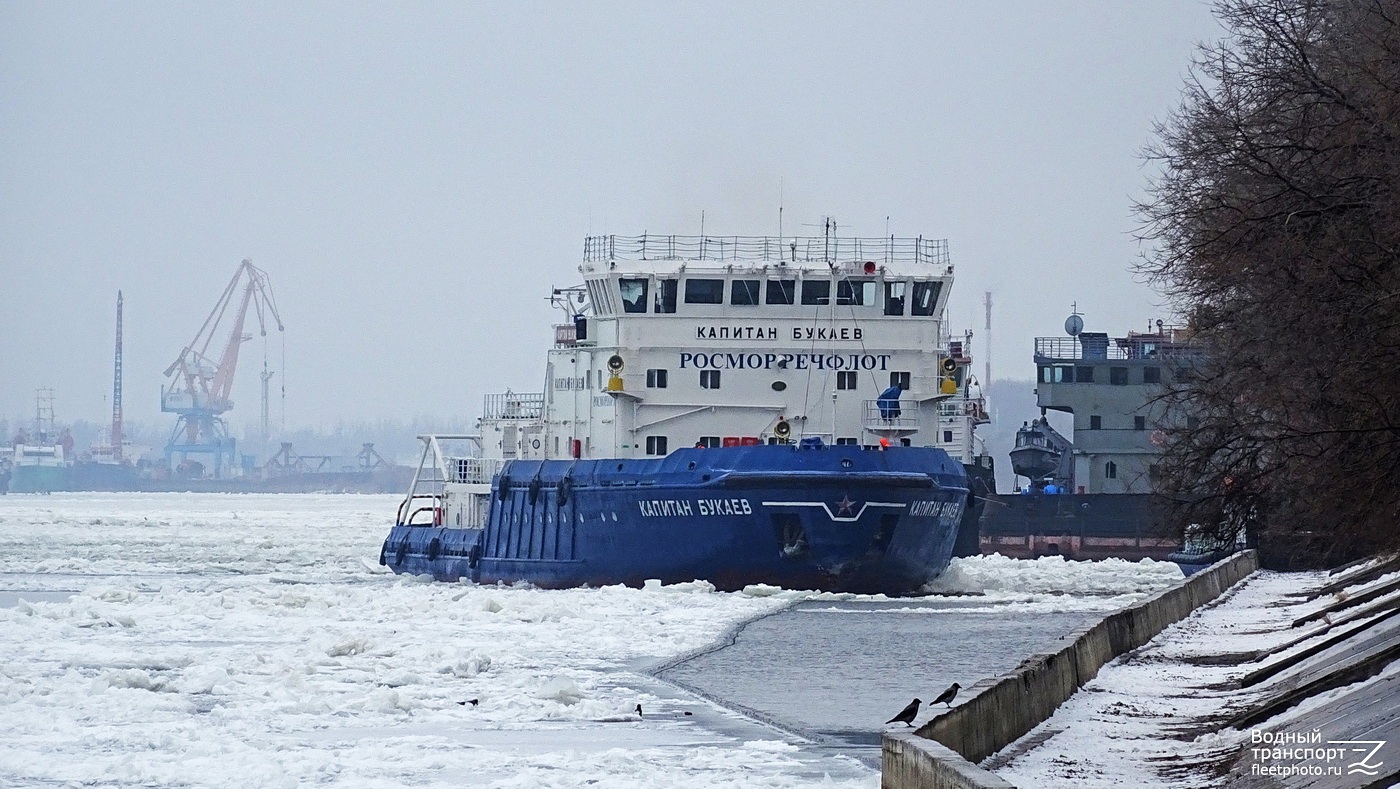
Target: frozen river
[{"x": 245, "y": 640}]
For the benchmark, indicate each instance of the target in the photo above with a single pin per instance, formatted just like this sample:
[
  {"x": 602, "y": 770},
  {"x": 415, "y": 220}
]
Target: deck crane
[{"x": 200, "y": 386}]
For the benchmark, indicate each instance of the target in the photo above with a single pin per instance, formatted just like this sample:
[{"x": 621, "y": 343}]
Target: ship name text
[
  {"x": 933, "y": 509},
  {"x": 670, "y": 508},
  {"x": 799, "y": 333}
]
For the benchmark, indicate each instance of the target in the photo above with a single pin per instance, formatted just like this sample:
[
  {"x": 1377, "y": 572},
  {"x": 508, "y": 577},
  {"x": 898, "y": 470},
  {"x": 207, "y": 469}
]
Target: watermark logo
[{"x": 1290, "y": 753}]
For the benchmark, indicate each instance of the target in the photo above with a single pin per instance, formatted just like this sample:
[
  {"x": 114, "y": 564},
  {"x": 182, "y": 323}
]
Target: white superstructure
[{"x": 683, "y": 341}]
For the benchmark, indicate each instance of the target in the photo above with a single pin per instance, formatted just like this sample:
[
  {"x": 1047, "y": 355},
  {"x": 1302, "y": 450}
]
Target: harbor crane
[{"x": 200, "y": 386}]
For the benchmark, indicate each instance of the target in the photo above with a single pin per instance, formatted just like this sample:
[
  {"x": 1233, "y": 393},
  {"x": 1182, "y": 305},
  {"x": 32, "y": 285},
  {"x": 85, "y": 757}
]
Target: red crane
[{"x": 200, "y": 387}]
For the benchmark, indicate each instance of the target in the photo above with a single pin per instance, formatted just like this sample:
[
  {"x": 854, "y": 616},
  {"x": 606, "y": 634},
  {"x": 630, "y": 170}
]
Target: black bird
[
  {"x": 907, "y": 715},
  {"x": 639, "y": 710},
  {"x": 472, "y": 702},
  {"x": 947, "y": 696}
]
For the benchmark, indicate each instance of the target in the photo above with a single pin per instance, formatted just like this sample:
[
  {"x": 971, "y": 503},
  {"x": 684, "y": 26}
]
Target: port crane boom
[{"x": 200, "y": 388}]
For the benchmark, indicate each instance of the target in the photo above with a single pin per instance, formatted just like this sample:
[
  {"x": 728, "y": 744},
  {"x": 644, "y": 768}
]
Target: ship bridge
[{"x": 677, "y": 341}]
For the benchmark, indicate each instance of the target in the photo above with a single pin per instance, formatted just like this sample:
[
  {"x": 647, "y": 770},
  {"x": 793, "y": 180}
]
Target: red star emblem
[{"x": 844, "y": 505}]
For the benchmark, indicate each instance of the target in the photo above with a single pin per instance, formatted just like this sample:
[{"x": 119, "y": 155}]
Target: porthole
[{"x": 779, "y": 386}]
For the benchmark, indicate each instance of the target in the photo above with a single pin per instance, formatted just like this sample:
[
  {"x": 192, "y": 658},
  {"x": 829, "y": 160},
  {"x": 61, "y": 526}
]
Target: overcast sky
[{"x": 414, "y": 177}]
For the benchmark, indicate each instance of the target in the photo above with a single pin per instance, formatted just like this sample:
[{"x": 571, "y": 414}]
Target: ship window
[
  {"x": 1152, "y": 375},
  {"x": 1095, "y": 422},
  {"x": 709, "y": 379},
  {"x": 1139, "y": 423},
  {"x": 900, "y": 379},
  {"x": 634, "y": 294},
  {"x": 925, "y": 298},
  {"x": 905, "y": 442},
  {"x": 816, "y": 291},
  {"x": 855, "y": 292},
  {"x": 1045, "y": 374},
  {"x": 665, "y": 296},
  {"x": 846, "y": 442},
  {"x": 1118, "y": 376},
  {"x": 1110, "y": 470},
  {"x": 947, "y": 436},
  {"x": 894, "y": 298},
  {"x": 1084, "y": 375},
  {"x": 656, "y": 379},
  {"x": 598, "y": 306},
  {"x": 846, "y": 379},
  {"x": 708, "y": 442},
  {"x": 656, "y": 445},
  {"x": 743, "y": 292},
  {"x": 781, "y": 291},
  {"x": 704, "y": 291}
]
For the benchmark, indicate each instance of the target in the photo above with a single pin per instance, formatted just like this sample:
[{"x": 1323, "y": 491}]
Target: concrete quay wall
[{"x": 1003, "y": 709}]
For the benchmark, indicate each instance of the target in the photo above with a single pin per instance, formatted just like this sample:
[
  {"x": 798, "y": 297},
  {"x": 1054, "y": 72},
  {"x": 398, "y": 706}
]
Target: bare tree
[{"x": 1275, "y": 229}]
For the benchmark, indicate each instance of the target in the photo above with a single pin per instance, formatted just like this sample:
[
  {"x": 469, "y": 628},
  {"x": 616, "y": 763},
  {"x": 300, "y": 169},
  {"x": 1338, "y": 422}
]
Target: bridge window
[
  {"x": 656, "y": 445},
  {"x": 1152, "y": 375},
  {"x": 781, "y": 291},
  {"x": 894, "y": 298},
  {"x": 1095, "y": 422},
  {"x": 634, "y": 295},
  {"x": 925, "y": 298},
  {"x": 1110, "y": 470},
  {"x": 656, "y": 379},
  {"x": 846, "y": 442},
  {"x": 704, "y": 291},
  {"x": 900, "y": 379},
  {"x": 1139, "y": 423},
  {"x": 1056, "y": 374},
  {"x": 708, "y": 442},
  {"x": 1118, "y": 376},
  {"x": 816, "y": 291},
  {"x": 709, "y": 379},
  {"x": 855, "y": 292},
  {"x": 846, "y": 379},
  {"x": 665, "y": 296},
  {"x": 743, "y": 292},
  {"x": 1084, "y": 375}
]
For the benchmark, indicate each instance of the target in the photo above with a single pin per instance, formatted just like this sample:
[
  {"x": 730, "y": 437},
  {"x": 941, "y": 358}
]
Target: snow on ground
[
  {"x": 246, "y": 640},
  {"x": 1146, "y": 714}
]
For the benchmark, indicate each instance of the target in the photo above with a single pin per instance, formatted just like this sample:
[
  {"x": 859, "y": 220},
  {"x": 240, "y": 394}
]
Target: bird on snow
[
  {"x": 947, "y": 696},
  {"x": 907, "y": 715},
  {"x": 639, "y": 710}
]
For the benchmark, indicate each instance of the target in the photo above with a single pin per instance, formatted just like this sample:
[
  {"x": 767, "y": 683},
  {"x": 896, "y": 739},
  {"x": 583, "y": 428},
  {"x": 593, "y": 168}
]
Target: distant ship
[
  {"x": 1090, "y": 497},
  {"x": 40, "y": 461},
  {"x": 738, "y": 410}
]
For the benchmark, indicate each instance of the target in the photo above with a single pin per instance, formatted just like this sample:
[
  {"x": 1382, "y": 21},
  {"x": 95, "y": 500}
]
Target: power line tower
[
  {"x": 200, "y": 388},
  {"x": 117, "y": 388}
]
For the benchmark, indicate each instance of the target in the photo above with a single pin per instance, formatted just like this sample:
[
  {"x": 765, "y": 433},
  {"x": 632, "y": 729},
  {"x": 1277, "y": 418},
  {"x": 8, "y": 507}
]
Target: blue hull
[{"x": 832, "y": 518}]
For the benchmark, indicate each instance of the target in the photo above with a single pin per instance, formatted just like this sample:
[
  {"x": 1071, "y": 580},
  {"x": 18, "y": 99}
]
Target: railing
[
  {"x": 473, "y": 470},
  {"x": 891, "y": 416},
  {"x": 1096, "y": 346},
  {"x": 764, "y": 248},
  {"x": 529, "y": 405}
]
